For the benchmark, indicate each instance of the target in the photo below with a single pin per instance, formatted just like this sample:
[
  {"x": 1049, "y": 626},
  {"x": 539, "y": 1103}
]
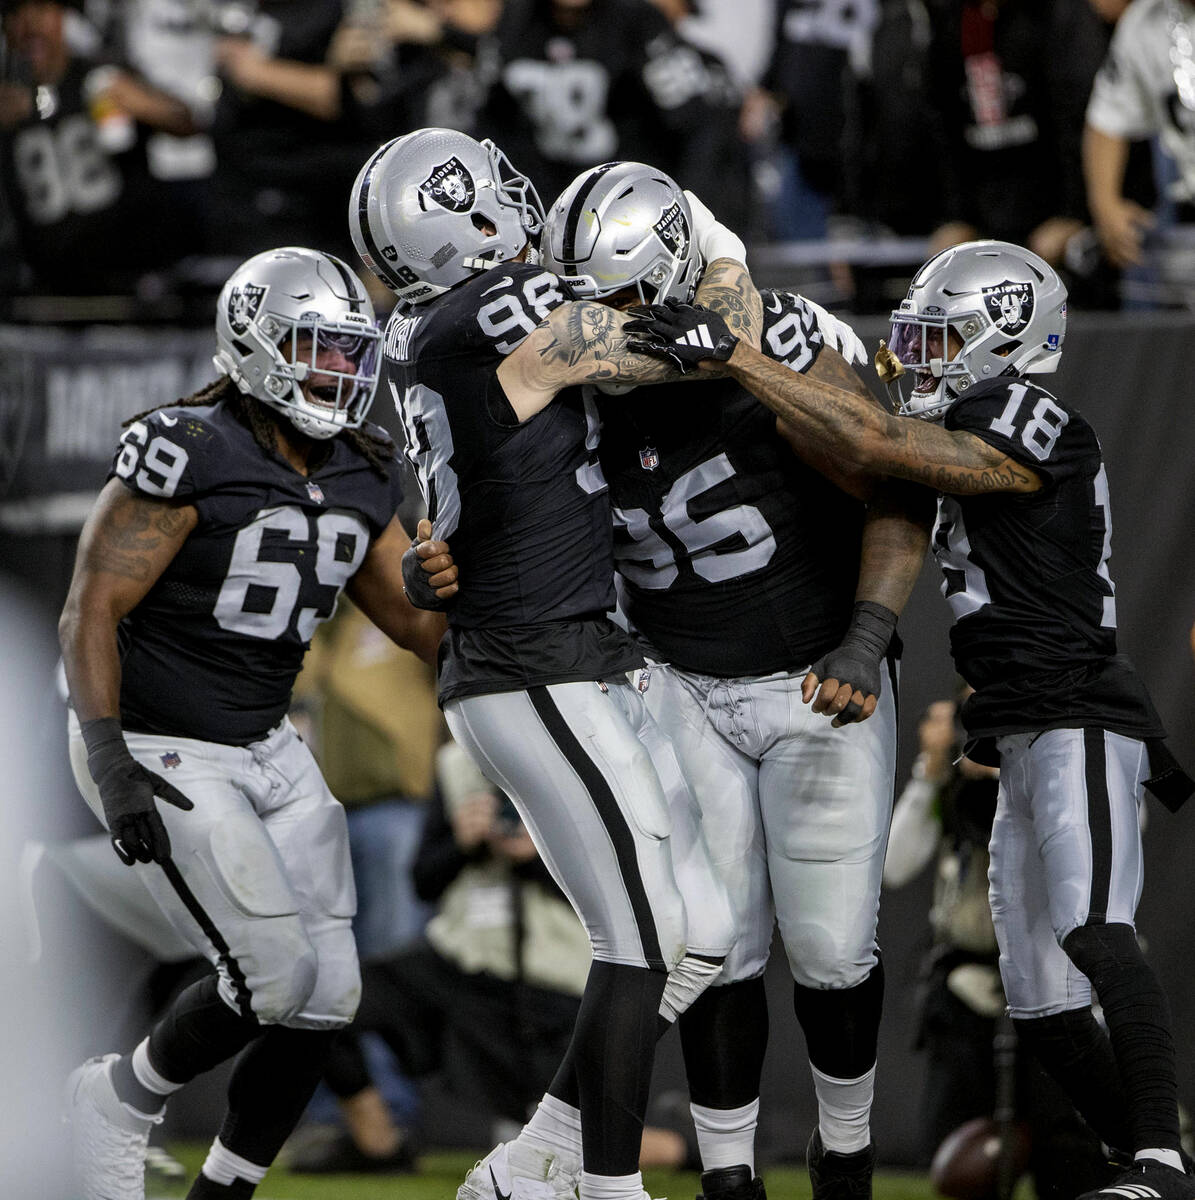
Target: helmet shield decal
[
  {"x": 451, "y": 186},
  {"x": 243, "y": 304},
  {"x": 673, "y": 230},
  {"x": 1010, "y": 305}
]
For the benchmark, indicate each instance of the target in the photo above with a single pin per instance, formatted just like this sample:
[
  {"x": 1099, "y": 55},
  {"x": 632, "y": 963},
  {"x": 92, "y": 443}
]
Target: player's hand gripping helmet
[
  {"x": 296, "y": 329},
  {"x": 433, "y": 207},
  {"x": 621, "y": 225},
  {"x": 1007, "y": 307}
]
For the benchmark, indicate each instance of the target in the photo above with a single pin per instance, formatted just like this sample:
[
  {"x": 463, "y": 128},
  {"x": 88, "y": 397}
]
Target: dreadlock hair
[{"x": 375, "y": 446}]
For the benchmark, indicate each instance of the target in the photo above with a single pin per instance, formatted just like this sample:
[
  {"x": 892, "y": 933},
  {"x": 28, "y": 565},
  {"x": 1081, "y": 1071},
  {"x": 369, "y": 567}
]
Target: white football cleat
[
  {"x": 515, "y": 1171},
  {"x": 107, "y": 1140}
]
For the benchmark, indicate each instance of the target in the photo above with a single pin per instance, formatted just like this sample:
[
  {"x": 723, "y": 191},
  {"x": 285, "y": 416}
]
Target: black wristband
[{"x": 872, "y": 626}]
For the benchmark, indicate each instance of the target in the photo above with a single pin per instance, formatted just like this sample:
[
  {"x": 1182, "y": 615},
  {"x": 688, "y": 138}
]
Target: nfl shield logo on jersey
[
  {"x": 243, "y": 305},
  {"x": 450, "y": 185},
  {"x": 170, "y": 758},
  {"x": 649, "y": 458},
  {"x": 1010, "y": 305},
  {"x": 315, "y": 491}
]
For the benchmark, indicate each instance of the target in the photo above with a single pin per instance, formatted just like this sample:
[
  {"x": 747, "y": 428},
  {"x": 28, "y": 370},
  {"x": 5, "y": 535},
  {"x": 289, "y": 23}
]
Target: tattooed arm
[
  {"x": 126, "y": 544},
  {"x": 726, "y": 288},
  {"x": 583, "y": 342},
  {"x": 869, "y": 439}
]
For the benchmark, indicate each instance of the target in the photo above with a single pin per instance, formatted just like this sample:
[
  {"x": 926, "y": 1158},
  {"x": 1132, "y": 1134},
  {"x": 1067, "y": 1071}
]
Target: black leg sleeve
[
  {"x": 1138, "y": 1020},
  {"x": 724, "y": 1035},
  {"x": 842, "y": 1025}
]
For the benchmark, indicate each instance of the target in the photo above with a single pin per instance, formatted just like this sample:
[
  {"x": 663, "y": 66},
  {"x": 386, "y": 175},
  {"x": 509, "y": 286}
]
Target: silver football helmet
[
  {"x": 296, "y": 329},
  {"x": 621, "y": 225},
  {"x": 423, "y": 206},
  {"x": 1006, "y": 308}
]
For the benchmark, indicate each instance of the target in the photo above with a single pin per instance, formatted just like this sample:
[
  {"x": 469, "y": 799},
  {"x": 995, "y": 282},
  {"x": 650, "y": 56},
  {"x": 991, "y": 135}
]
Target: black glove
[
  {"x": 682, "y": 334},
  {"x": 127, "y": 791},
  {"x": 856, "y": 662},
  {"x": 417, "y": 584}
]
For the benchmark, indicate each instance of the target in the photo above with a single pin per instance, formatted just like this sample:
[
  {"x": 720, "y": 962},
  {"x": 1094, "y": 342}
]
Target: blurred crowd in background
[{"x": 149, "y": 145}]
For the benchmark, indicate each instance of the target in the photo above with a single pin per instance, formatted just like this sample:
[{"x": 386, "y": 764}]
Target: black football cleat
[
  {"x": 1147, "y": 1179},
  {"x": 839, "y": 1176},
  {"x": 731, "y": 1183}
]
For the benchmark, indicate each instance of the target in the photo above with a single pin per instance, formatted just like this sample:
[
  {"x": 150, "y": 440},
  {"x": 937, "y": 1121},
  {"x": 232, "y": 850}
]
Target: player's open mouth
[
  {"x": 926, "y": 382},
  {"x": 323, "y": 393}
]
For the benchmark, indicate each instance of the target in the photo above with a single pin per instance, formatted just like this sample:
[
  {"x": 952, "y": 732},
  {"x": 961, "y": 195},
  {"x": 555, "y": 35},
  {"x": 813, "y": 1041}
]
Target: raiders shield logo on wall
[
  {"x": 450, "y": 185},
  {"x": 243, "y": 305},
  {"x": 1010, "y": 305}
]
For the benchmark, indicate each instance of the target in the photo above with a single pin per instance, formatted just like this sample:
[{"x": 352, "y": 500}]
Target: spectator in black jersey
[
  {"x": 286, "y": 145},
  {"x": 415, "y": 65},
  {"x": 1009, "y": 119},
  {"x": 579, "y": 82},
  {"x": 482, "y": 355},
  {"x": 1023, "y": 538},
  {"x": 73, "y": 133},
  {"x": 228, "y": 529},
  {"x": 800, "y": 103}
]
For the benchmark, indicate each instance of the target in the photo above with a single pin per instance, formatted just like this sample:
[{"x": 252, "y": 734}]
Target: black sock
[
  {"x": 1138, "y": 1020},
  {"x": 842, "y": 1025},
  {"x": 271, "y": 1085},
  {"x": 198, "y": 1032},
  {"x": 724, "y": 1035}
]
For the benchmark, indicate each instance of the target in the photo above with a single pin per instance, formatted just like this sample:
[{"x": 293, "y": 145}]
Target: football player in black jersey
[
  {"x": 228, "y": 529},
  {"x": 1023, "y": 538},
  {"x": 740, "y": 566},
  {"x": 479, "y": 360}
]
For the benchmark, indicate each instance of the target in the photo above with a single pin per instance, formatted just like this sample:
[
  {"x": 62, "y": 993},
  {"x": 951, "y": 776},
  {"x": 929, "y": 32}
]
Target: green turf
[{"x": 440, "y": 1174}]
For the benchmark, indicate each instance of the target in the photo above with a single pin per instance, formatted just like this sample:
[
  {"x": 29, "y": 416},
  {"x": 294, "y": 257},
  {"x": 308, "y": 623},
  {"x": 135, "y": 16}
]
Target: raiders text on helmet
[
  {"x": 293, "y": 315},
  {"x": 621, "y": 225},
  {"x": 1007, "y": 307},
  {"x": 433, "y": 207}
]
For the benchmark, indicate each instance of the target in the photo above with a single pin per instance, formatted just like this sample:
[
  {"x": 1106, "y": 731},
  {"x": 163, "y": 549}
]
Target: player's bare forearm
[
  {"x": 895, "y": 537},
  {"x": 830, "y": 367},
  {"x": 126, "y": 544},
  {"x": 726, "y": 288},
  {"x": 875, "y": 441}
]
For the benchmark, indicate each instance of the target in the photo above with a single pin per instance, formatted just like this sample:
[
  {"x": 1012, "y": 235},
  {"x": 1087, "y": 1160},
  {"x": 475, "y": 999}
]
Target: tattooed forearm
[
  {"x": 865, "y": 435},
  {"x": 726, "y": 288},
  {"x": 583, "y": 342}
]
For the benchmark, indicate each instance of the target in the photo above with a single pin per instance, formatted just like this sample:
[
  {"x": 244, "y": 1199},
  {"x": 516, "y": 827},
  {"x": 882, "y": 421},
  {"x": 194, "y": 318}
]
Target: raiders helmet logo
[
  {"x": 243, "y": 306},
  {"x": 451, "y": 186},
  {"x": 673, "y": 230},
  {"x": 1010, "y": 305}
]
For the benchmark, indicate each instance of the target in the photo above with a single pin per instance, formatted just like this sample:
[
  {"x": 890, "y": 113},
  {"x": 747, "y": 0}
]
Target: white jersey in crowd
[{"x": 1146, "y": 86}]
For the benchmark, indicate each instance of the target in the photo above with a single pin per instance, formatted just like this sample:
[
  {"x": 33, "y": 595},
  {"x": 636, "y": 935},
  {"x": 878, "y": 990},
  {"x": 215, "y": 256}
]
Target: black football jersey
[
  {"x": 616, "y": 83},
  {"x": 1027, "y": 577},
  {"x": 524, "y": 506},
  {"x": 89, "y": 219},
  {"x": 735, "y": 558},
  {"x": 212, "y": 650}
]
